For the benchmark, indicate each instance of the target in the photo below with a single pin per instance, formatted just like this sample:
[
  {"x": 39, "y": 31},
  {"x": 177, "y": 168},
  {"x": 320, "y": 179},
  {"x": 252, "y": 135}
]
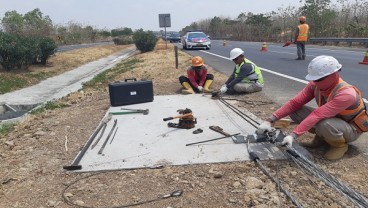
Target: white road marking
[{"x": 263, "y": 69}]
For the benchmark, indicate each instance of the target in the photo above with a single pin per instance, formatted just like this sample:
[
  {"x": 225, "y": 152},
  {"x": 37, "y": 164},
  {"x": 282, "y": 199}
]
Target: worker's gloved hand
[
  {"x": 200, "y": 88},
  {"x": 223, "y": 89},
  {"x": 265, "y": 127},
  {"x": 287, "y": 141}
]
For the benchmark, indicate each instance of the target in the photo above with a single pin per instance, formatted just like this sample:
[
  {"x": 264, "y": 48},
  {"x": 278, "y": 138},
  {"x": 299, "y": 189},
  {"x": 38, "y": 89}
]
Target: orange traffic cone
[
  {"x": 264, "y": 47},
  {"x": 224, "y": 43},
  {"x": 365, "y": 59}
]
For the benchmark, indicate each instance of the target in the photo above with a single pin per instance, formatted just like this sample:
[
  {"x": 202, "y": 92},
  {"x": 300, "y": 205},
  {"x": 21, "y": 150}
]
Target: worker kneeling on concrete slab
[
  {"x": 198, "y": 79},
  {"x": 246, "y": 77},
  {"x": 341, "y": 115}
]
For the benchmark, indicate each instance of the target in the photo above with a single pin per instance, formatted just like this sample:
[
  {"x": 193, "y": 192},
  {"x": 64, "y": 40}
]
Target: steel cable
[
  {"x": 343, "y": 189},
  {"x": 355, "y": 197}
]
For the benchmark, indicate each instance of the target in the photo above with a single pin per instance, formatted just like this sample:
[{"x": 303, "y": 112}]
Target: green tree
[
  {"x": 31, "y": 23},
  {"x": 36, "y": 24},
  {"x": 320, "y": 17},
  {"x": 260, "y": 24},
  {"x": 13, "y": 22},
  {"x": 215, "y": 25},
  {"x": 121, "y": 31}
]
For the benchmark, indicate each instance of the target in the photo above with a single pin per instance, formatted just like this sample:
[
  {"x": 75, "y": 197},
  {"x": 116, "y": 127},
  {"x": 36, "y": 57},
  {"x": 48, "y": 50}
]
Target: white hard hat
[
  {"x": 322, "y": 66},
  {"x": 235, "y": 53}
]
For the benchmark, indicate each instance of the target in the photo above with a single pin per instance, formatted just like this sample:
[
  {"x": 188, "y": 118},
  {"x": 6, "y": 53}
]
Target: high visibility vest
[
  {"x": 352, "y": 112},
  {"x": 256, "y": 70},
  {"x": 303, "y": 32}
]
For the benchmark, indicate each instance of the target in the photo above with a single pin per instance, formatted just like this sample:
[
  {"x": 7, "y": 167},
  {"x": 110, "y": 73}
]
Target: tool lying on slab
[
  {"x": 186, "y": 119},
  {"x": 237, "y": 134},
  {"x": 75, "y": 165},
  {"x": 237, "y": 139},
  {"x": 99, "y": 137},
  {"x": 107, "y": 138},
  {"x": 275, "y": 136},
  {"x": 130, "y": 111}
]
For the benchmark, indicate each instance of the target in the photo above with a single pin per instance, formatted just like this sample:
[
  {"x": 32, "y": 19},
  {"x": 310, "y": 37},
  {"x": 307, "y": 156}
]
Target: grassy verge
[
  {"x": 14, "y": 81},
  {"x": 48, "y": 106},
  {"x": 102, "y": 79},
  {"x": 6, "y": 128}
]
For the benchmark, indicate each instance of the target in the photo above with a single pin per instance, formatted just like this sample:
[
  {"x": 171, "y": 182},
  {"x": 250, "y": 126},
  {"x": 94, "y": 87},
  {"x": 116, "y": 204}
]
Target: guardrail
[{"x": 350, "y": 41}]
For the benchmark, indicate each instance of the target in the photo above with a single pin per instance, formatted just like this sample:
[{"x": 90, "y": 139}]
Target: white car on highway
[{"x": 196, "y": 40}]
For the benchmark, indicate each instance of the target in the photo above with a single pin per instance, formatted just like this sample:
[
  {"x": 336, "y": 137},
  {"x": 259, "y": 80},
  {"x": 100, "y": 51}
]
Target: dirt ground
[{"x": 33, "y": 154}]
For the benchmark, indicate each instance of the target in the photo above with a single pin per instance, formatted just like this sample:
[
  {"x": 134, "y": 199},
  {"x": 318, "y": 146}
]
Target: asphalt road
[{"x": 285, "y": 76}]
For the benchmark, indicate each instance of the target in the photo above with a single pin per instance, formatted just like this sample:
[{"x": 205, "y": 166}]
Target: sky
[{"x": 136, "y": 14}]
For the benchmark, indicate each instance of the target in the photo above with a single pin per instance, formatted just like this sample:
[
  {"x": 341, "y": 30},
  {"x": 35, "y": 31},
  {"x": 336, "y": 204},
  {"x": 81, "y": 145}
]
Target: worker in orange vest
[
  {"x": 340, "y": 118},
  {"x": 301, "y": 37}
]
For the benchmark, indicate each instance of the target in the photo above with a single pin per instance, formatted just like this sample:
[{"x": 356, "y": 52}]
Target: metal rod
[
  {"x": 98, "y": 139},
  {"x": 114, "y": 135},
  {"x": 75, "y": 165},
  {"x": 107, "y": 138},
  {"x": 212, "y": 139}
]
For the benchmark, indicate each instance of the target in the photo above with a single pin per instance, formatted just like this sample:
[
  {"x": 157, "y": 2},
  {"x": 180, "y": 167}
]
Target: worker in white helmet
[
  {"x": 246, "y": 77},
  {"x": 341, "y": 115}
]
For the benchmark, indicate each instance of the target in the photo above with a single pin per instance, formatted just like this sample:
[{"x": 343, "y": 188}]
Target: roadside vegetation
[
  {"x": 6, "y": 128},
  {"x": 51, "y": 105},
  {"x": 57, "y": 64},
  {"x": 326, "y": 18}
]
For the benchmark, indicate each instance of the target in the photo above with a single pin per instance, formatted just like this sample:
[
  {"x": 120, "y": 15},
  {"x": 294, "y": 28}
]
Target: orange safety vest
[
  {"x": 355, "y": 114},
  {"x": 303, "y": 32}
]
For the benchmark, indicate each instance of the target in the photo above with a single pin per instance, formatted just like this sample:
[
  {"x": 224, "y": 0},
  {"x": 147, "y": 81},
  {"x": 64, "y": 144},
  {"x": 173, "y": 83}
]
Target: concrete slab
[{"x": 143, "y": 141}]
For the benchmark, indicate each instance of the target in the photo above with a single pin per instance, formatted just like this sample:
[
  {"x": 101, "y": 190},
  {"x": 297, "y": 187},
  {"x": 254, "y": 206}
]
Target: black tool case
[{"x": 130, "y": 91}]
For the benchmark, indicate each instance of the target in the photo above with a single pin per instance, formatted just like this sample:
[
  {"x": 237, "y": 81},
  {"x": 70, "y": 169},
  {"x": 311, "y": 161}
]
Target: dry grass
[
  {"x": 160, "y": 68},
  {"x": 65, "y": 61}
]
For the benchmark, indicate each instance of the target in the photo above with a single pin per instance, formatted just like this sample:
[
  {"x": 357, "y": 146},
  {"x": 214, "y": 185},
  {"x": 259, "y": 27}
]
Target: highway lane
[{"x": 285, "y": 76}]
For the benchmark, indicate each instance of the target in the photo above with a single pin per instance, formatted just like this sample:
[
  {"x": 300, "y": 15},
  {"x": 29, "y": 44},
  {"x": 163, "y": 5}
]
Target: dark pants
[
  {"x": 185, "y": 79},
  {"x": 300, "y": 49}
]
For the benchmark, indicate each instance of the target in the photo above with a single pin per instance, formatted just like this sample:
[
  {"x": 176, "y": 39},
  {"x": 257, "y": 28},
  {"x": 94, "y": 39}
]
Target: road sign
[{"x": 164, "y": 20}]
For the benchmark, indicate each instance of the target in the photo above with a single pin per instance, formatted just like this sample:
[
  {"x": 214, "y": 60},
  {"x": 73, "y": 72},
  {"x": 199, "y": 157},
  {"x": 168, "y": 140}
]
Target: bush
[
  {"x": 144, "y": 41},
  {"x": 22, "y": 51},
  {"x": 11, "y": 51},
  {"x": 123, "y": 40},
  {"x": 47, "y": 48}
]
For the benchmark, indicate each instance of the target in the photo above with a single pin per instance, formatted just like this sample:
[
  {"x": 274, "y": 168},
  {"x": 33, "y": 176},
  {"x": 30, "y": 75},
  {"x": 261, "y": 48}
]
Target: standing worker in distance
[
  {"x": 246, "y": 77},
  {"x": 198, "y": 79},
  {"x": 341, "y": 115},
  {"x": 301, "y": 37}
]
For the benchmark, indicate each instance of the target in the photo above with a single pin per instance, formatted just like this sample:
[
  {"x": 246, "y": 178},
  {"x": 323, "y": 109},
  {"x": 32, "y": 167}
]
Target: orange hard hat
[
  {"x": 197, "y": 61},
  {"x": 302, "y": 19}
]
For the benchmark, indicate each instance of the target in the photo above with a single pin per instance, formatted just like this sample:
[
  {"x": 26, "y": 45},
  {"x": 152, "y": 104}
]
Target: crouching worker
[
  {"x": 246, "y": 77},
  {"x": 198, "y": 80},
  {"x": 341, "y": 115}
]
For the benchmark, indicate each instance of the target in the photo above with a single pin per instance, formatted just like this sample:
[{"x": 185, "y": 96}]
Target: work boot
[
  {"x": 338, "y": 147},
  {"x": 187, "y": 88},
  {"x": 298, "y": 58},
  {"x": 317, "y": 141},
  {"x": 207, "y": 85}
]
